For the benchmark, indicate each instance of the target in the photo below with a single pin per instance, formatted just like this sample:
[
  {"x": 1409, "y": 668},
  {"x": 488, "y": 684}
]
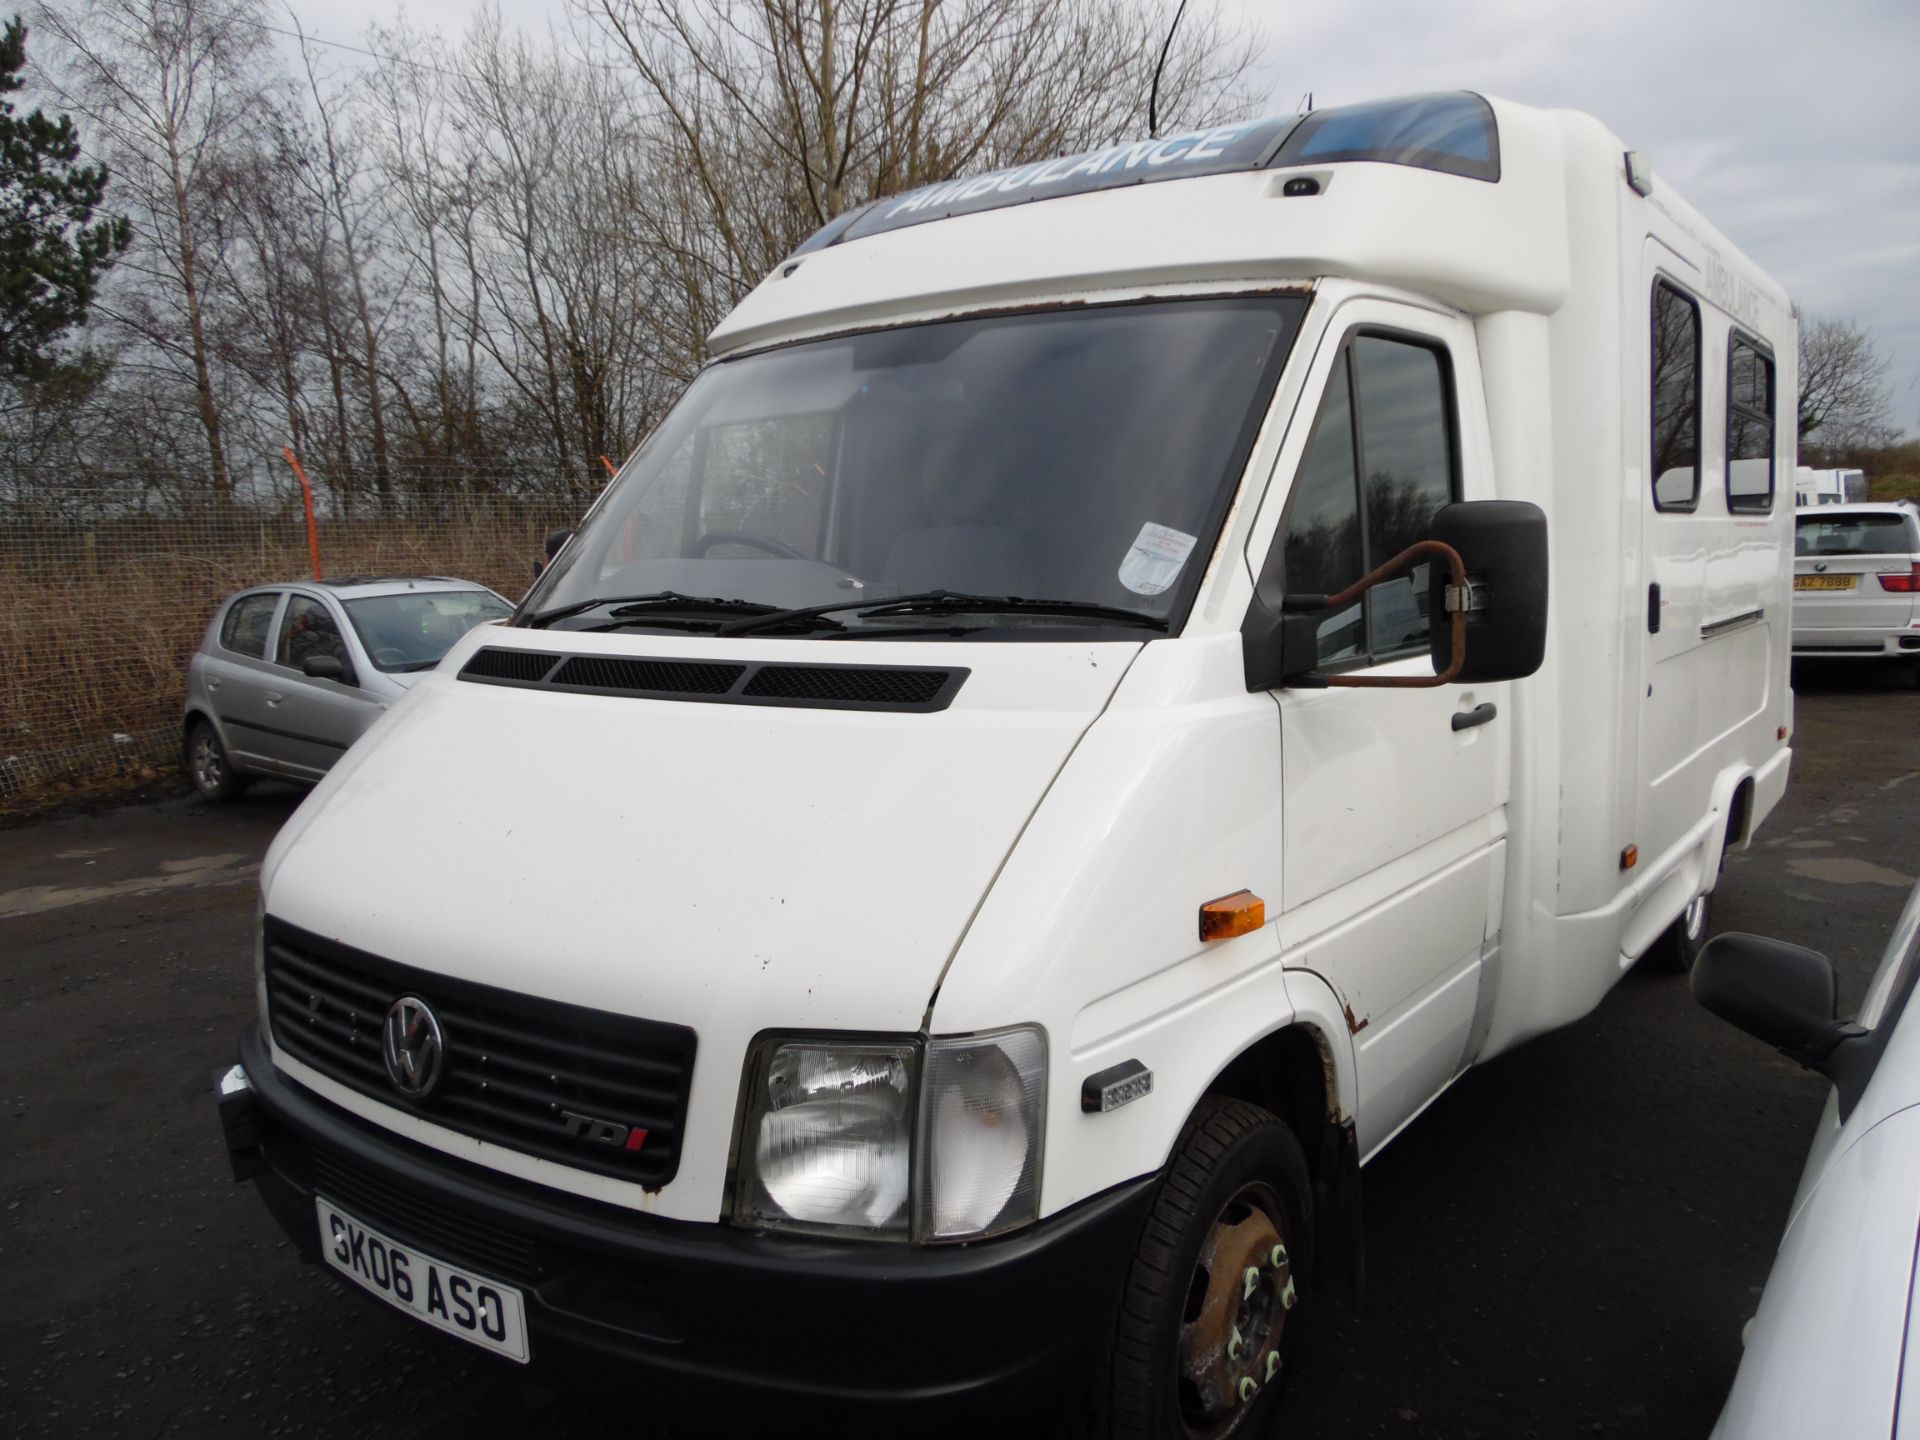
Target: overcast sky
[{"x": 1794, "y": 127}]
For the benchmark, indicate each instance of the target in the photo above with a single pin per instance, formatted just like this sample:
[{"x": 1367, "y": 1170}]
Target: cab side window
[
  {"x": 1676, "y": 399},
  {"x": 309, "y": 630},
  {"x": 244, "y": 631},
  {"x": 1381, "y": 463},
  {"x": 1749, "y": 427}
]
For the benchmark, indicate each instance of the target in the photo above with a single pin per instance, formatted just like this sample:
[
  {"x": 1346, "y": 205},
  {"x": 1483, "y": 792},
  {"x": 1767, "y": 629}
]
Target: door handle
[
  {"x": 1479, "y": 715},
  {"x": 274, "y": 697},
  {"x": 213, "y": 682}
]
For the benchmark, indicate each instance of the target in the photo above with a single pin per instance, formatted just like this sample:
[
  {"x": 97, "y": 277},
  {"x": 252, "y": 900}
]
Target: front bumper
[{"x": 699, "y": 1317}]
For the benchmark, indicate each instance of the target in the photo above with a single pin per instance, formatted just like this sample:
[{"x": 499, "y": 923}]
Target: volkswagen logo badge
[{"x": 413, "y": 1046}]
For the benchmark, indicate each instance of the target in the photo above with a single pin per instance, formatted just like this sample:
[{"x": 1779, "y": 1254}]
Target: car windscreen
[
  {"x": 1855, "y": 535},
  {"x": 413, "y": 630},
  {"x": 1080, "y": 455}
]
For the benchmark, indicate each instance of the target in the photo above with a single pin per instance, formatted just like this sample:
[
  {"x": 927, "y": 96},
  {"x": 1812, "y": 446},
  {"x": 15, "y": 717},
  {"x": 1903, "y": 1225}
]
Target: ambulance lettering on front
[{"x": 1195, "y": 152}]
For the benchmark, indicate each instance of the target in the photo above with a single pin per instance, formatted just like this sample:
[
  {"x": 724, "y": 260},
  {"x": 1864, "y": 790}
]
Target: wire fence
[{"x": 107, "y": 585}]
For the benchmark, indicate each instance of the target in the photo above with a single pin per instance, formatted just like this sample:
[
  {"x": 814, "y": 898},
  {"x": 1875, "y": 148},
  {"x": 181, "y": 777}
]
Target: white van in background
[
  {"x": 1828, "y": 487},
  {"x": 1121, "y": 681}
]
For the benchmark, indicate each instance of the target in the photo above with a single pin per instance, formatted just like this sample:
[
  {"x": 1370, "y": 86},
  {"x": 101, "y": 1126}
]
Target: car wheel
[
  {"x": 1207, "y": 1322},
  {"x": 212, "y": 773},
  {"x": 1679, "y": 945}
]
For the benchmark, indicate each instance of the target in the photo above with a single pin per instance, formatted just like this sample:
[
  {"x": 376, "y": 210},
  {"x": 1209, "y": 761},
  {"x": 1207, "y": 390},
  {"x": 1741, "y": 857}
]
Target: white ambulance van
[{"x": 936, "y": 894}]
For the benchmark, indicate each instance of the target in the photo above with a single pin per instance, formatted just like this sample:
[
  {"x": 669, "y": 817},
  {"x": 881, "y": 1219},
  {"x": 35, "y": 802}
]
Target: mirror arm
[{"x": 1399, "y": 565}]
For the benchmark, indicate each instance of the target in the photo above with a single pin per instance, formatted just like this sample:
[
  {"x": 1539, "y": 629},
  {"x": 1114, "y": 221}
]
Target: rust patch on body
[{"x": 1354, "y": 1027}]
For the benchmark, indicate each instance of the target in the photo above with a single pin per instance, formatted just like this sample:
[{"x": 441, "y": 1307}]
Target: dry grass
[{"x": 96, "y": 625}]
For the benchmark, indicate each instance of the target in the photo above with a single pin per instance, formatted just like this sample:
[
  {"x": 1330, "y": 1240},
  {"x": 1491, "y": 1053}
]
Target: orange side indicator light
[
  {"x": 1629, "y": 857},
  {"x": 1240, "y": 913}
]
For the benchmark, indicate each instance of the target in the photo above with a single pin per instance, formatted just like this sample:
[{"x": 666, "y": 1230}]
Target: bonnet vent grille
[
  {"x": 646, "y": 677},
  {"x": 823, "y": 687},
  {"x": 833, "y": 683},
  {"x": 525, "y": 666}
]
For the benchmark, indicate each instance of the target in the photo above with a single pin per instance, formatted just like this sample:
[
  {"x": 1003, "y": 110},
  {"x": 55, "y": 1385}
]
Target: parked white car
[
  {"x": 1830, "y": 1352},
  {"x": 1856, "y": 582},
  {"x": 288, "y": 676}
]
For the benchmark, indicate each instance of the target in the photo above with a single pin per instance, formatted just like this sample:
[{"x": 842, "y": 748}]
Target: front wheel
[
  {"x": 213, "y": 775},
  {"x": 1207, "y": 1319},
  {"x": 1681, "y": 942}
]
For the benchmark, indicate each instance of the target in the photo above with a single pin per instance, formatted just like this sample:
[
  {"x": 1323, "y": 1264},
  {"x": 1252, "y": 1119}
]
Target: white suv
[{"x": 1856, "y": 581}]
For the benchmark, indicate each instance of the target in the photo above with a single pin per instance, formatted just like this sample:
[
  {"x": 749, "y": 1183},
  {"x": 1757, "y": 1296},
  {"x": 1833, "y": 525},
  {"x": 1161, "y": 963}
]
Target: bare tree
[
  {"x": 347, "y": 207},
  {"x": 1843, "y": 390},
  {"x": 774, "y": 116},
  {"x": 168, "y": 87}
]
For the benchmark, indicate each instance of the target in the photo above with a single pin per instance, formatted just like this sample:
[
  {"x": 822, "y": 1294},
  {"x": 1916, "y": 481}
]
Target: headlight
[
  {"x": 829, "y": 1136},
  {"x": 829, "y": 1139}
]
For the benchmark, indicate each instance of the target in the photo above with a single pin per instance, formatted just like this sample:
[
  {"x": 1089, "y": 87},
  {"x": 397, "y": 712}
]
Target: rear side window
[
  {"x": 1380, "y": 464},
  {"x": 1749, "y": 427},
  {"x": 1855, "y": 535},
  {"x": 1676, "y": 399},
  {"x": 244, "y": 631}
]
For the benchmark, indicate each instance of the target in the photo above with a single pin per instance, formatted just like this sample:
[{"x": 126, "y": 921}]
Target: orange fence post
[
  {"x": 609, "y": 464},
  {"x": 313, "y": 531}
]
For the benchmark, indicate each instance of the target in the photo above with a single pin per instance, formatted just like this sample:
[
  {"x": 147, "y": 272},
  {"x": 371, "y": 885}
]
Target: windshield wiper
[
  {"x": 640, "y": 604},
  {"x": 409, "y": 668},
  {"x": 948, "y": 602}
]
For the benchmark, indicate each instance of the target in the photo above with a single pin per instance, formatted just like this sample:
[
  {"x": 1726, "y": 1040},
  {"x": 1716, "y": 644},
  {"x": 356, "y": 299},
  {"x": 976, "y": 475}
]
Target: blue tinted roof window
[{"x": 1452, "y": 133}]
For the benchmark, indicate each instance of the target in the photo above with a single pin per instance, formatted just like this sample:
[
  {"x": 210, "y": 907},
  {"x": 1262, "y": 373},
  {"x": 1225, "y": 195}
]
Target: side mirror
[
  {"x": 1503, "y": 544},
  {"x": 1787, "y": 996},
  {"x": 324, "y": 667}
]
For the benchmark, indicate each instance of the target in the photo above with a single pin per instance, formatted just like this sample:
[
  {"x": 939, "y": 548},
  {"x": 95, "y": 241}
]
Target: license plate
[
  {"x": 1824, "y": 582},
  {"x": 480, "y": 1311}
]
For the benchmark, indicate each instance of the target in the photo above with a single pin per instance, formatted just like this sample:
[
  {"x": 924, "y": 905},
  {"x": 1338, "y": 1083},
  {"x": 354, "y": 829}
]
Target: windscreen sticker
[{"x": 1156, "y": 557}]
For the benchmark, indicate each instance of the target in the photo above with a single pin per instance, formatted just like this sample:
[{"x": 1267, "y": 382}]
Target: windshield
[
  {"x": 1854, "y": 535},
  {"x": 412, "y": 631},
  {"x": 1082, "y": 455}
]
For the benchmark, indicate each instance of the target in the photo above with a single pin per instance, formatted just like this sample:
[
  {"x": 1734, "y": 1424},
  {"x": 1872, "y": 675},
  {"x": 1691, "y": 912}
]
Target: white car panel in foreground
[{"x": 1826, "y": 1352}]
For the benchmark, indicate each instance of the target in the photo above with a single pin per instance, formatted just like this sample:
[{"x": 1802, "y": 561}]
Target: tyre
[
  {"x": 1207, "y": 1318},
  {"x": 1679, "y": 945},
  {"x": 212, "y": 774}
]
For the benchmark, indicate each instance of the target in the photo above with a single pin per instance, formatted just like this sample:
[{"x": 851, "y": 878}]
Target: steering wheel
[
  {"x": 388, "y": 656},
  {"x": 745, "y": 537}
]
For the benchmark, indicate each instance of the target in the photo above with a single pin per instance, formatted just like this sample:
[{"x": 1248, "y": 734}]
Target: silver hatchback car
[
  {"x": 1856, "y": 581},
  {"x": 288, "y": 676}
]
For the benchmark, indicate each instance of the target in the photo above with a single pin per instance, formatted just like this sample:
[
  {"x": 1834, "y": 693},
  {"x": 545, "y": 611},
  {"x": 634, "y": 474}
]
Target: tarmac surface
[{"x": 1567, "y": 1243}]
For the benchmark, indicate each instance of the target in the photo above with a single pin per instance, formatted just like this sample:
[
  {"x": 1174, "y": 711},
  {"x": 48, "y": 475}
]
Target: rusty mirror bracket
[{"x": 1461, "y": 597}]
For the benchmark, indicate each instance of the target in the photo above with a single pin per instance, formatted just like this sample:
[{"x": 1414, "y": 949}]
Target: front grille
[
  {"x": 441, "y": 1231},
  {"x": 843, "y": 683},
  {"x": 514, "y": 1066}
]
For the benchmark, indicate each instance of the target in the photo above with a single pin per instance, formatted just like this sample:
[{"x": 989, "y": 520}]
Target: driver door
[
  {"x": 315, "y": 719},
  {"x": 1393, "y": 798}
]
